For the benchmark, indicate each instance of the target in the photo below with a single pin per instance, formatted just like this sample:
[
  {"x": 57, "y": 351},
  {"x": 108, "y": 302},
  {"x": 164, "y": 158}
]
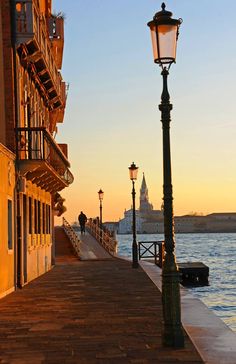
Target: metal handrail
[
  {"x": 108, "y": 242},
  {"x": 152, "y": 249},
  {"x": 36, "y": 143},
  {"x": 73, "y": 237}
]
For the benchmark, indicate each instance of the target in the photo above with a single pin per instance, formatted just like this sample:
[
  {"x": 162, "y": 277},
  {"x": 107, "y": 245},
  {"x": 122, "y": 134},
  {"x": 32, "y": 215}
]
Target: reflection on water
[{"x": 218, "y": 252}]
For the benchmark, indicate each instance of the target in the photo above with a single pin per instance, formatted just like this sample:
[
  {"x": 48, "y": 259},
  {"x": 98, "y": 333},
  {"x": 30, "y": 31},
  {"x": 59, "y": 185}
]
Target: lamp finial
[{"x": 163, "y": 6}]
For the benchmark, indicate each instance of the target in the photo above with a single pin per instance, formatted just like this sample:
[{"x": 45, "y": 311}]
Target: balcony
[
  {"x": 41, "y": 160},
  {"x": 40, "y": 49}
]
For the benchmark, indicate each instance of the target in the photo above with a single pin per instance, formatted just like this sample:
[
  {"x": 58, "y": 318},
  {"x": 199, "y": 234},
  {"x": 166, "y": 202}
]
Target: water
[{"x": 218, "y": 252}]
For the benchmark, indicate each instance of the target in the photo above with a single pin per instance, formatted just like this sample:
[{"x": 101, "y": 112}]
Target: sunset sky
[{"x": 112, "y": 116}]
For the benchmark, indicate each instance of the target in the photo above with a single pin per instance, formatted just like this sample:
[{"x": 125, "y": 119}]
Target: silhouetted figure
[{"x": 82, "y": 221}]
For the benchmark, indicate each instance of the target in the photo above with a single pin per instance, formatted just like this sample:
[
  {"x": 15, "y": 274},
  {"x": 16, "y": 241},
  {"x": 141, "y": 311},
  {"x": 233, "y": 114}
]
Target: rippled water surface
[{"x": 218, "y": 252}]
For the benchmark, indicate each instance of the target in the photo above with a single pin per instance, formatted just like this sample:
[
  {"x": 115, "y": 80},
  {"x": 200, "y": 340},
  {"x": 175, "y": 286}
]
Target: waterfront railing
[
  {"x": 151, "y": 249},
  {"x": 104, "y": 237},
  {"x": 73, "y": 237}
]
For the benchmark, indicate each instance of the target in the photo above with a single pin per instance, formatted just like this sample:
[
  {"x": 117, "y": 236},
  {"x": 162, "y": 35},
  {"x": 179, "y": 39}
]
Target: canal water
[{"x": 218, "y": 252}]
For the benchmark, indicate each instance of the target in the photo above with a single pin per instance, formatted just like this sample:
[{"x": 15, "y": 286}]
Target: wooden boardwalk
[{"x": 93, "y": 311}]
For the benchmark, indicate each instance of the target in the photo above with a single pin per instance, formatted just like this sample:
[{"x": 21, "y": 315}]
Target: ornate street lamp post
[
  {"x": 133, "y": 171},
  {"x": 164, "y": 34},
  {"x": 100, "y": 196}
]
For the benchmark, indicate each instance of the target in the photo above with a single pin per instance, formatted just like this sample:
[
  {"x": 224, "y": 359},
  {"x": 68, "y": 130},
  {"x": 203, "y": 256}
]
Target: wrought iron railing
[
  {"x": 152, "y": 249},
  {"x": 73, "y": 237},
  {"x": 107, "y": 241},
  {"x": 37, "y": 144}
]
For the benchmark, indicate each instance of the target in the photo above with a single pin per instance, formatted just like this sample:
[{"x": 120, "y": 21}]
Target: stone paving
[{"x": 87, "y": 312}]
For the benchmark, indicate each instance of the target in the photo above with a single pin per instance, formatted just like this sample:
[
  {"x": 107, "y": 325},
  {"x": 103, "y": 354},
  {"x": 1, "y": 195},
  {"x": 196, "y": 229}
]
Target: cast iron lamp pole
[
  {"x": 100, "y": 196},
  {"x": 164, "y": 33},
  {"x": 133, "y": 171}
]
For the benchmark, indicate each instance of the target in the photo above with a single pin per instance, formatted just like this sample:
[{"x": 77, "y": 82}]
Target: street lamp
[
  {"x": 100, "y": 196},
  {"x": 133, "y": 171},
  {"x": 164, "y": 34}
]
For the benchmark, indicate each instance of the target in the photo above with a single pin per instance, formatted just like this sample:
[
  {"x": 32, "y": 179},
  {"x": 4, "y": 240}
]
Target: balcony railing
[
  {"x": 32, "y": 29},
  {"x": 37, "y": 144}
]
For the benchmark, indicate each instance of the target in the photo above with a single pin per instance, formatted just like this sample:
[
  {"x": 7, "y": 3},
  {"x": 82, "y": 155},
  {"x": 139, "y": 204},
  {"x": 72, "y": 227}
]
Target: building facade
[
  {"x": 224, "y": 222},
  {"x": 125, "y": 224},
  {"x": 33, "y": 99}
]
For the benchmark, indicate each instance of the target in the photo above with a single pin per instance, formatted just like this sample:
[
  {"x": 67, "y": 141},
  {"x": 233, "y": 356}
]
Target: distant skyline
[{"x": 112, "y": 116}]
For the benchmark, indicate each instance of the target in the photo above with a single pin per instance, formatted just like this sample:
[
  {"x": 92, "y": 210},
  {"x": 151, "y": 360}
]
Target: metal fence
[{"x": 151, "y": 250}]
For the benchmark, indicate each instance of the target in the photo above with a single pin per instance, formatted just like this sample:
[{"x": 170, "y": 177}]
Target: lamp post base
[
  {"x": 135, "y": 255},
  {"x": 173, "y": 335}
]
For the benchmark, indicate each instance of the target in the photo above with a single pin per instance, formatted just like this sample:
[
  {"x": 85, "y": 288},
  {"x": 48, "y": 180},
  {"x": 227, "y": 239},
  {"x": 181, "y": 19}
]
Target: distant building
[
  {"x": 147, "y": 219},
  {"x": 125, "y": 224},
  {"x": 223, "y": 216},
  {"x": 212, "y": 223},
  {"x": 111, "y": 226},
  {"x": 150, "y": 221}
]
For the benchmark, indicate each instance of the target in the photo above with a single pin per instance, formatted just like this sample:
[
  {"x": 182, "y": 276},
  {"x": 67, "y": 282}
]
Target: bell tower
[{"x": 145, "y": 205}]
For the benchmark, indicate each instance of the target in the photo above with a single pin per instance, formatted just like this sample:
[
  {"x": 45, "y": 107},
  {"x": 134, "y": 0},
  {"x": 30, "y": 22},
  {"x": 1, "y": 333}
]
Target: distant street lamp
[
  {"x": 133, "y": 171},
  {"x": 100, "y": 196},
  {"x": 164, "y": 34}
]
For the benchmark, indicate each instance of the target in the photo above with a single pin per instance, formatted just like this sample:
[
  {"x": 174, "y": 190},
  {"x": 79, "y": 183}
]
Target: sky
[{"x": 112, "y": 116}]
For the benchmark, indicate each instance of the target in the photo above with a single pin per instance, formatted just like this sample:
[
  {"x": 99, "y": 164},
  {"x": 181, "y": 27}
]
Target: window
[
  {"x": 48, "y": 220},
  {"x": 10, "y": 242},
  {"x": 44, "y": 218},
  {"x": 35, "y": 217},
  {"x": 39, "y": 217},
  {"x": 46, "y": 207},
  {"x": 30, "y": 215}
]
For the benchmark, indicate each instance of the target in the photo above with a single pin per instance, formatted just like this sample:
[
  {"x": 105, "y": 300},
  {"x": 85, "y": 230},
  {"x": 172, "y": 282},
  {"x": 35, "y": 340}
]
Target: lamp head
[
  {"x": 100, "y": 194},
  {"x": 133, "y": 171},
  {"x": 164, "y": 35}
]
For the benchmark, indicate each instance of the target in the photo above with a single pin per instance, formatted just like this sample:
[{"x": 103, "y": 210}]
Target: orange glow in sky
[{"x": 112, "y": 116}]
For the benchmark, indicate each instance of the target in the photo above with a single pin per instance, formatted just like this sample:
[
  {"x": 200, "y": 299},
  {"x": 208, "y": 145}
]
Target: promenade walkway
[
  {"x": 91, "y": 311},
  {"x": 91, "y": 250}
]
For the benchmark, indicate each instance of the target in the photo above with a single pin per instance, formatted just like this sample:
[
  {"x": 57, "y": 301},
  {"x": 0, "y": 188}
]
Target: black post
[
  {"x": 100, "y": 213},
  {"x": 134, "y": 246},
  {"x": 173, "y": 332}
]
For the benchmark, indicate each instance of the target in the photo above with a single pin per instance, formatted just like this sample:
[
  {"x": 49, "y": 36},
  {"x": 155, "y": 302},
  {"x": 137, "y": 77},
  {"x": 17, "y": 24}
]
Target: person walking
[{"x": 82, "y": 221}]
